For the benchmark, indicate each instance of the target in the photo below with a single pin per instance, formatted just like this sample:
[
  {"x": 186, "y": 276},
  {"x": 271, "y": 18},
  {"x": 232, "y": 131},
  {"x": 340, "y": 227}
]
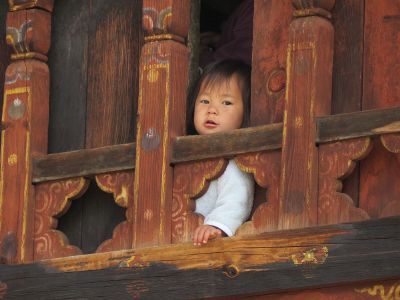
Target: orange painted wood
[
  {"x": 52, "y": 200},
  {"x": 336, "y": 162},
  {"x": 379, "y": 181},
  {"x": 166, "y": 17},
  {"x": 266, "y": 169},
  {"x": 362, "y": 291},
  {"x": 309, "y": 90},
  {"x": 120, "y": 184},
  {"x": 25, "y": 122},
  {"x": 24, "y": 129},
  {"x": 28, "y": 33},
  {"x": 270, "y": 39},
  {"x": 4, "y": 50},
  {"x": 191, "y": 181},
  {"x": 162, "y": 107},
  {"x": 26, "y": 4}
]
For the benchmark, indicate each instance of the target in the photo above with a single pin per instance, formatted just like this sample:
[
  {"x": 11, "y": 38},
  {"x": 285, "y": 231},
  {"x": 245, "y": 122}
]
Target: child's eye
[
  {"x": 204, "y": 101},
  {"x": 226, "y": 102}
]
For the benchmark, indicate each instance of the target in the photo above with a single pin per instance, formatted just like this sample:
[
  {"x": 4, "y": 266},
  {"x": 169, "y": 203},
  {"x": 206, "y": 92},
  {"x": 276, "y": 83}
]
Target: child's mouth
[{"x": 210, "y": 123}]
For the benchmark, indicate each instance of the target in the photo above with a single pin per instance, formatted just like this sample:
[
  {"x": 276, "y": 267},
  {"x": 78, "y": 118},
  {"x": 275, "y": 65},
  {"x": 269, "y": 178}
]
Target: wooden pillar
[
  {"x": 162, "y": 107},
  {"x": 24, "y": 123},
  {"x": 308, "y": 95}
]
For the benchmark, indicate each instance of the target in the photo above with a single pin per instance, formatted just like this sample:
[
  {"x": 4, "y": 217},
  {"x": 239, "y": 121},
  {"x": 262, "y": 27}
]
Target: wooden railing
[{"x": 157, "y": 178}]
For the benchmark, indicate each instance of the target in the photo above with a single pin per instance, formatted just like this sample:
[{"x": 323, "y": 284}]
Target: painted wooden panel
[
  {"x": 379, "y": 183},
  {"x": 270, "y": 41},
  {"x": 4, "y": 51},
  {"x": 308, "y": 95}
]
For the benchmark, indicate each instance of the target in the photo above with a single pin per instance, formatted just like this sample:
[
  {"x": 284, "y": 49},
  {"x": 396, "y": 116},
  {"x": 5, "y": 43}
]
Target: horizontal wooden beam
[
  {"x": 358, "y": 124},
  {"x": 266, "y": 263},
  {"x": 83, "y": 162},
  {"x": 196, "y": 147},
  {"x": 190, "y": 148}
]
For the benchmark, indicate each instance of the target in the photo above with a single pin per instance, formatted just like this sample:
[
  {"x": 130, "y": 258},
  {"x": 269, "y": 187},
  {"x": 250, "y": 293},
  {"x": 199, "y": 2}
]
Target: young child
[{"x": 221, "y": 102}]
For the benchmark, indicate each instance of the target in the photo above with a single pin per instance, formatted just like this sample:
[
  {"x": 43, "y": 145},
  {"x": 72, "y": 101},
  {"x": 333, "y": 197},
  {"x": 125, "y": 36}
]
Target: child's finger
[
  {"x": 196, "y": 236},
  {"x": 203, "y": 231},
  {"x": 206, "y": 235}
]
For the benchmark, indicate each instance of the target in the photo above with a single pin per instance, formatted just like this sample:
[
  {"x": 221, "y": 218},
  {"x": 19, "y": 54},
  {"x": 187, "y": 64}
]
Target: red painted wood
[
  {"x": 270, "y": 39},
  {"x": 308, "y": 95},
  {"x": 379, "y": 183},
  {"x": 191, "y": 181},
  {"x": 336, "y": 162}
]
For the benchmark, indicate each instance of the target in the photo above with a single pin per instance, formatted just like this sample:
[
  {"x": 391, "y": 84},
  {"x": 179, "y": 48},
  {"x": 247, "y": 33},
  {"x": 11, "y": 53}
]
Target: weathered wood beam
[
  {"x": 188, "y": 148},
  {"x": 266, "y": 263},
  {"x": 83, "y": 162},
  {"x": 358, "y": 124}
]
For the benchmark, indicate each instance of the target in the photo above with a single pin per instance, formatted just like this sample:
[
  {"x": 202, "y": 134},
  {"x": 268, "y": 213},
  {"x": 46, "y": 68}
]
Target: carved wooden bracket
[
  {"x": 53, "y": 200},
  {"x": 191, "y": 180},
  {"x": 337, "y": 161},
  {"x": 266, "y": 168},
  {"x": 120, "y": 184}
]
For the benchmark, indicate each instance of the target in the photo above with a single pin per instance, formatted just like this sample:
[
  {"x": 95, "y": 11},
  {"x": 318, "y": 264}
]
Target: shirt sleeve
[{"x": 234, "y": 200}]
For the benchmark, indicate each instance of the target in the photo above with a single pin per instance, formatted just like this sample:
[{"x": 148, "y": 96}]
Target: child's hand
[{"x": 205, "y": 232}]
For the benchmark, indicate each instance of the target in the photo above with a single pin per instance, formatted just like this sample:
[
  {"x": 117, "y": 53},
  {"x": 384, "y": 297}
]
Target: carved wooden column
[
  {"x": 162, "y": 107},
  {"x": 24, "y": 123},
  {"x": 308, "y": 95}
]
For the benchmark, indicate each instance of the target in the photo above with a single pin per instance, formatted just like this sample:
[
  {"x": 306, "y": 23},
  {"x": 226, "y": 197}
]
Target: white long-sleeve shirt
[{"x": 228, "y": 200}]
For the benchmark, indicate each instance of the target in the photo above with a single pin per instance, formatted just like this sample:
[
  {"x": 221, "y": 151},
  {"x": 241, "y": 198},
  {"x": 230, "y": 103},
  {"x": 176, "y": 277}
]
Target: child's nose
[{"x": 212, "y": 110}]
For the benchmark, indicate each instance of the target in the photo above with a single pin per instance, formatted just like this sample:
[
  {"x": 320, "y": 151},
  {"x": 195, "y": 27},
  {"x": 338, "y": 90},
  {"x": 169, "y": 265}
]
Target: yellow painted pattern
[
  {"x": 12, "y": 160},
  {"x": 8, "y": 92},
  {"x": 379, "y": 291}
]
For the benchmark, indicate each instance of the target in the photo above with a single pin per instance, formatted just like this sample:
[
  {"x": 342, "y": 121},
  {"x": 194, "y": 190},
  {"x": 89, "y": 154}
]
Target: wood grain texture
[
  {"x": 308, "y": 95},
  {"x": 83, "y": 162},
  {"x": 25, "y": 122},
  {"x": 379, "y": 185},
  {"x": 120, "y": 184},
  {"x": 336, "y": 162},
  {"x": 384, "y": 289},
  {"x": 166, "y": 17},
  {"x": 52, "y": 200},
  {"x": 162, "y": 107},
  {"x": 266, "y": 169},
  {"x": 114, "y": 48},
  {"x": 68, "y": 62},
  {"x": 348, "y": 21},
  {"x": 5, "y": 52},
  {"x": 266, "y": 263},
  {"x": 270, "y": 40},
  {"x": 191, "y": 181},
  {"x": 267, "y": 137},
  {"x": 358, "y": 124}
]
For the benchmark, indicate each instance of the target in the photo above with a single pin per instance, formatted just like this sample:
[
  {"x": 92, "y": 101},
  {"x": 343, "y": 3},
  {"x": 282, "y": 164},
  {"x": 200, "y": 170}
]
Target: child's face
[{"x": 219, "y": 107}]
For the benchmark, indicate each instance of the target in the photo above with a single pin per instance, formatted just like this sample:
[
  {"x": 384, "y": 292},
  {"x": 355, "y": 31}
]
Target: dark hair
[{"x": 222, "y": 71}]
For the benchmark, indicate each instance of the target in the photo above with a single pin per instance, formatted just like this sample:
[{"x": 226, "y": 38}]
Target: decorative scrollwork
[
  {"x": 337, "y": 161},
  {"x": 191, "y": 181},
  {"x": 120, "y": 184},
  {"x": 53, "y": 200},
  {"x": 265, "y": 166}
]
